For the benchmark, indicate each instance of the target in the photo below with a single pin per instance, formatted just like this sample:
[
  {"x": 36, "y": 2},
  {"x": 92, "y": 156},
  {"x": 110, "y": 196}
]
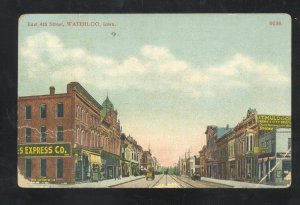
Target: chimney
[{"x": 52, "y": 90}]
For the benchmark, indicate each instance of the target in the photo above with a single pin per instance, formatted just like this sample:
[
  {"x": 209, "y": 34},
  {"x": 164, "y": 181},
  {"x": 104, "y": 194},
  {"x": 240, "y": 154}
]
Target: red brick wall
[
  {"x": 51, "y": 168},
  {"x": 91, "y": 120},
  {"x": 50, "y": 122}
]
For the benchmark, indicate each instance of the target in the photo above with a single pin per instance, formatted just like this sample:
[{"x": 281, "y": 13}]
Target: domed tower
[{"x": 107, "y": 106}]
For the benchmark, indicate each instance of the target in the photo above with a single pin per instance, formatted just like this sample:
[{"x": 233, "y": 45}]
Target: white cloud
[{"x": 155, "y": 68}]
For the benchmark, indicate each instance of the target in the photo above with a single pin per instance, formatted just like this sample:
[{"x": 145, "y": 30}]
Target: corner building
[{"x": 59, "y": 139}]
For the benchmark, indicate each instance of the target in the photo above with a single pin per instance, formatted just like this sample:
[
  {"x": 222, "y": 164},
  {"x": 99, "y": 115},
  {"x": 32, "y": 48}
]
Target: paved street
[{"x": 170, "y": 181}]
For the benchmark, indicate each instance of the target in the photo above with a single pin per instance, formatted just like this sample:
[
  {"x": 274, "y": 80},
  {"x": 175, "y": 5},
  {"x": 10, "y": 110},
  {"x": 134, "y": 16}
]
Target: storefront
[
  {"x": 126, "y": 168},
  {"x": 87, "y": 165},
  {"x": 46, "y": 163},
  {"x": 266, "y": 162},
  {"x": 110, "y": 165},
  {"x": 232, "y": 169},
  {"x": 134, "y": 169}
]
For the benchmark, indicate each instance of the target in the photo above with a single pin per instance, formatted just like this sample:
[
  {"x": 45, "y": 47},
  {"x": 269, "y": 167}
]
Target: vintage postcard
[{"x": 154, "y": 101}]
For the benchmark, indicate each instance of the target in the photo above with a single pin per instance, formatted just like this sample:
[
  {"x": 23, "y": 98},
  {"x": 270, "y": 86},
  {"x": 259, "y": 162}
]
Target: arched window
[
  {"x": 92, "y": 140},
  {"x": 76, "y": 112},
  {"x": 79, "y": 112},
  {"x": 77, "y": 136},
  {"x": 104, "y": 143},
  {"x": 87, "y": 138},
  {"x": 82, "y": 137}
]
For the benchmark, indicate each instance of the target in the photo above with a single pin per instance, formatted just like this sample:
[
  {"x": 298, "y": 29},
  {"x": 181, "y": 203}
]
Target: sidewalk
[
  {"x": 238, "y": 184},
  {"x": 101, "y": 184}
]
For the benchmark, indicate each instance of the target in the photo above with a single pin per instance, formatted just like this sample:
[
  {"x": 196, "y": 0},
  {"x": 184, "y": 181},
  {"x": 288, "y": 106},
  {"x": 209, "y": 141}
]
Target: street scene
[{"x": 154, "y": 101}]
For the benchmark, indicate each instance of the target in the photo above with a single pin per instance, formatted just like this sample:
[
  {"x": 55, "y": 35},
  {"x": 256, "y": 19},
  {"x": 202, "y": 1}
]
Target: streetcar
[
  {"x": 150, "y": 174},
  {"x": 196, "y": 176}
]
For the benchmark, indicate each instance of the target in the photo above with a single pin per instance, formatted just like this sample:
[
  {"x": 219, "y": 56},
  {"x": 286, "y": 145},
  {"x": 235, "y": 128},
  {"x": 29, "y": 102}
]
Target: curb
[
  {"x": 125, "y": 182},
  {"x": 250, "y": 185},
  {"x": 230, "y": 186}
]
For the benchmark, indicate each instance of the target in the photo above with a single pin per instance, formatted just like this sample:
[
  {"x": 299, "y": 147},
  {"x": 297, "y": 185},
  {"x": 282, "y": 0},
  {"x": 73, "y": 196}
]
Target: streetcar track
[
  {"x": 157, "y": 181},
  {"x": 178, "y": 179},
  {"x": 205, "y": 182}
]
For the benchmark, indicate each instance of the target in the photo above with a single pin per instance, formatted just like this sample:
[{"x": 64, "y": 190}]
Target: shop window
[
  {"x": 27, "y": 134},
  {"x": 28, "y": 168},
  {"x": 43, "y": 134},
  {"x": 60, "y": 171},
  {"x": 273, "y": 145},
  {"x": 43, "y": 111},
  {"x": 60, "y": 133},
  {"x": 60, "y": 110},
  {"x": 43, "y": 167},
  {"x": 28, "y": 112}
]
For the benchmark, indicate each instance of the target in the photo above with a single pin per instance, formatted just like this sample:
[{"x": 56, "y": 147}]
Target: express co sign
[{"x": 28, "y": 150}]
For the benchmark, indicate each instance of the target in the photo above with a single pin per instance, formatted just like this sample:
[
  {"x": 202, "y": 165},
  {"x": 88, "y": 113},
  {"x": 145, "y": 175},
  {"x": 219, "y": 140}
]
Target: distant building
[
  {"x": 214, "y": 133},
  {"x": 231, "y": 170},
  {"x": 222, "y": 151},
  {"x": 194, "y": 164},
  {"x": 146, "y": 160},
  {"x": 202, "y": 157}
]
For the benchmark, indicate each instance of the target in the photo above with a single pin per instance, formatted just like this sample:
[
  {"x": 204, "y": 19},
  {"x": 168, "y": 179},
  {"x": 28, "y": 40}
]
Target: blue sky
[{"x": 169, "y": 76}]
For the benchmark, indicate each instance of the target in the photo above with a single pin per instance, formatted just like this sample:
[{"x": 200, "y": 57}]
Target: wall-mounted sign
[
  {"x": 269, "y": 122},
  {"x": 28, "y": 150},
  {"x": 284, "y": 155},
  {"x": 260, "y": 150}
]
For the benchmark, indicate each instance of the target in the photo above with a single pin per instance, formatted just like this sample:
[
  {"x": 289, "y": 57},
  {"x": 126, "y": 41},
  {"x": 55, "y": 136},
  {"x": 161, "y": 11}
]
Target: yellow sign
[
  {"x": 259, "y": 150},
  {"x": 269, "y": 122},
  {"x": 25, "y": 150}
]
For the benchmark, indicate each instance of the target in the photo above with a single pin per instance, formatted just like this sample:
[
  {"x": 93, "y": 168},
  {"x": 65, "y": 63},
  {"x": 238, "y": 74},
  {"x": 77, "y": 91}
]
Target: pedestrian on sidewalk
[{"x": 119, "y": 173}]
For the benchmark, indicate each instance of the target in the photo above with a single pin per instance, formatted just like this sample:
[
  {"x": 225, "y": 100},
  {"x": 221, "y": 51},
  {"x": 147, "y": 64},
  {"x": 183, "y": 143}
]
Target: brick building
[
  {"x": 111, "y": 142},
  {"x": 59, "y": 136},
  {"x": 246, "y": 138},
  {"x": 222, "y": 151}
]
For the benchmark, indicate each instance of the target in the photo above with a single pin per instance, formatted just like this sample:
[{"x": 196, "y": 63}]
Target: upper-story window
[
  {"x": 76, "y": 112},
  {"x": 27, "y": 134},
  {"x": 43, "y": 134},
  {"x": 28, "y": 112},
  {"x": 60, "y": 110},
  {"x": 77, "y": 136},
  {"x": 60, "y": 133},
  {"x": 43, "y": 111}
]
